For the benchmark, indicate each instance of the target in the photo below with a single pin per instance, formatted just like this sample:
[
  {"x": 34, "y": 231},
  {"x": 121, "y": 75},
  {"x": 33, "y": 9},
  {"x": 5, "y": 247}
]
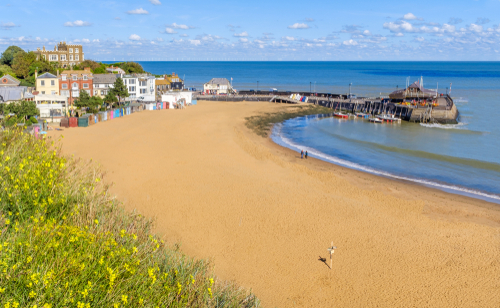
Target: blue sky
[{"x": 258, "y": 30}]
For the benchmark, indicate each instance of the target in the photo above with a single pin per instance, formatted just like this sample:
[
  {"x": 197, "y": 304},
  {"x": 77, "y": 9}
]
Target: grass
[
  {"x": 66, "y": 242},
  {"x": 261, "y": 124}
]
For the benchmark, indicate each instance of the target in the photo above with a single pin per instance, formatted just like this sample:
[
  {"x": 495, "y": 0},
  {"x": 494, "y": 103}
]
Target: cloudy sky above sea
[{"x": 258, "y": 30}]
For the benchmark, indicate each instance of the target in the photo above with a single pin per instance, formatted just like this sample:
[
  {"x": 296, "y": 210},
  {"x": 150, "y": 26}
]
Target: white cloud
[
  {"x": 170, "y": 31},
  {"x": 159, "y": 39},
  {"x": 183, "y": 27},
  {"x": 76, "y": 41},
  {"x": 77, "y": 23},
  {"x": 195, "y": 42},
  {"x": 242, "y": 34},
  {"x": 420, "y": 39},
  {"x": 399, "y": 34},
  {"x": 96, "y": 41},
  {"x": 289, "y": 38},
  {"x": 134, "y": 37},
  {"x": 155, "y": 2},
  {"x": 86, "y": 40},
  {"x": 448, "y": 28},
  {"x": 350, "y": 43},
  {"x": 8, "y": 25},
  {"x": 183, "y": 35},
  {"x": 410, "y": 16},
  {"x": 118, "y": 18},
  {"x": 309, "y": 19},
  {"x": 475, "y": 28},
  {"x": 366, "y": 32},
  {"x": 38, "y": 39},
  {"x": 298, "y": 26},
  {"x": 140, "y": 11},
  {"x": 244, "y": 40}
]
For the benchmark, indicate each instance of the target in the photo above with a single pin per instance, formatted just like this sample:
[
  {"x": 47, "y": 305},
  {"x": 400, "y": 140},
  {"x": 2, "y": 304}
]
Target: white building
[
  {"x": 103, "y": 83},
  {"x": 218, "y": 86},
  {"x": 173, "y": 97},
  {"x": 140, "y": 86},
  {"x": 52, "y": 107}
]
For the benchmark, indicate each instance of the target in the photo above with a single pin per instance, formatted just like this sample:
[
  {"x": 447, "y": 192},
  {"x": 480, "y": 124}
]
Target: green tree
[
  {"x": 83, "y": 100},
  {"x": 110, "y": 98},
  {"x": 131, "y": 67},
  {"x": 119, "y": 89},
  {"x": 9, "y": 54},
  {"x": 22, "y": 62},
  {"x": 5, "y": 69},
  {"x": 22, "y": 109}
]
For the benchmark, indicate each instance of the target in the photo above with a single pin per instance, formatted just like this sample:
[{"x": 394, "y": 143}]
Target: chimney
[
  {"x": 36, "y": 74},
  {"x": 87, "y": 69},
  {"x": 57, "y": 72}
]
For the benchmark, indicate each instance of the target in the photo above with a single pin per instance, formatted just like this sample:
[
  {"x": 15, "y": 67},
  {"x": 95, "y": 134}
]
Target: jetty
[{"x": 412, "y": 104}]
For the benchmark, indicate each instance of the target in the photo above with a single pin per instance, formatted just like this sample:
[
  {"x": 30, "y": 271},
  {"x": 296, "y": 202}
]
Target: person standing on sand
[
  {"x": 302, "y": 154},
  {"x": 306, "y": 154}
]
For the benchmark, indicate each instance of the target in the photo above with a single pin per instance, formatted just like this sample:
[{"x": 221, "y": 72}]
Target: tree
[
  {"x": 119, "y": 89},
  {"x": 89, "y": 63},
  {"x": 83, "y": 100},
  {"x": 5, "y": 69},
  {"x": 22, "y": 62},
  {"x": 9, "y": 54},
  {"x": 22, "y": 109},
  {"x": 110, "y": 98},
  {"x": 131, "y": 67}
]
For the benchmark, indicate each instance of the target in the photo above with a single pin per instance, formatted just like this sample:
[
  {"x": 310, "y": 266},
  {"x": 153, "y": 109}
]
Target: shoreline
[{"x": 264, "y": 217}]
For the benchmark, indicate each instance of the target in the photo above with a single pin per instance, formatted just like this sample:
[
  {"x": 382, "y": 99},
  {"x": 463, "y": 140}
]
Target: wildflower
[
  {"x": 211, "y": 281},
  {"x": 141, "y": 301},
  {"x": 134, "y": 249},
  {"x": 29, "y": 259},
  {"x": 2, "y": 290},
  {"x": 124, "y": 299},
  {"x": 7, "y": 221},
  {"x": 47, "y": 305},
  {"x": 7, "y": 305},
  {"x": 97, "y": 180},
  {"x": 116, "y": 305},
  {"x": 32, "y": 294},
  {"x": 96, "y": 221},
  {"x": 210, "y": 292}
]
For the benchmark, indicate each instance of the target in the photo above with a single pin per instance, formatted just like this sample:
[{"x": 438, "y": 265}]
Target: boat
[
  {"x": 376, "y": 120},
  {"x": 340, "y": 115},
  {"x": 389, "y": 119},
  {"x": 362, "y": 115}
]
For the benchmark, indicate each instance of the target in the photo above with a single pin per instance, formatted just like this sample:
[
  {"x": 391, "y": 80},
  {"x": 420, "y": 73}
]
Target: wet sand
[{"x": 266, "y": 218}]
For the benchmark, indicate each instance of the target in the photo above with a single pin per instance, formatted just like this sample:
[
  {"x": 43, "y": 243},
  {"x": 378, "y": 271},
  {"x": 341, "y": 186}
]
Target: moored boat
[
  {"x": 376, "y": 120},
  {"x": 340, "y": 115},
  {"x": 362, "y": 115}
]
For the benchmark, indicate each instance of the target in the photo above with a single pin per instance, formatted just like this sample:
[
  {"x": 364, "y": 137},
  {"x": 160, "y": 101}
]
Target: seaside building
[
  {"x": 102, "y": 83},
  {"x": 9, "y": 81},
  {"x": 218, "y": 86},
  {"x": 162, "y": 85},
  {"x": 115, "y": 70},
  {"x": 47, "y": 84},
  {"x": 52, "y": 107},
  {"x": 66, "y": 55},
  {"x": 415, "y": 91},
  {"x": 176, "y": 83},
  {"x": 71, "y": 82},
  {"x": 14, "y": 94},
  {"x": 140, "y": 87}
]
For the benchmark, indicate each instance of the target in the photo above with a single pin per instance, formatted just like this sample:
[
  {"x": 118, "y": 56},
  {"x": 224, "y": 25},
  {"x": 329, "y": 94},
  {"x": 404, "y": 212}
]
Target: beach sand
[{"x": 265, "y": 218}]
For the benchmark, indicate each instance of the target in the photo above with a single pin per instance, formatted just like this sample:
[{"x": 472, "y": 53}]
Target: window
[
  {"x": 142, "y": 91},
  {"x": 74, "y": 77},
  {"x": 53, "y": 92},
  {"x": 77, "y": 57},
  {"x": 64, "y": 77},
  {"x": 131, "y": 89},
  {"x": 75, "y": 86},
  {"x": 96, "y": 92},
  {"x": 52, "y": 82},
  {"x": 42, "y": 83},
  {"x": 131, "y": 81},
  {"x": 65, "y": 93},
  {"x": 63, "y": 57},
  {"x": 53, "y": 58},
  {"x": 103, "y": 92},
  {"x": 64, "y": 86},
  {"x": 43, "y": 92},
  {"x": 85, "y": 77},
  {"x": 85, "y": 85},
  {"x": 76, "y": 50},
  {"x": 75, "y": 93},
  {"x": 71, "y": 57},
  {"x": 142, "y": 83},
  {"x": 71, "y": 50}
]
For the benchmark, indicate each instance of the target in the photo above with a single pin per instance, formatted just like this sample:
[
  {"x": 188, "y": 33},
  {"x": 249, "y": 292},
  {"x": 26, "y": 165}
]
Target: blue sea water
[{"x": 462, "y": 158}]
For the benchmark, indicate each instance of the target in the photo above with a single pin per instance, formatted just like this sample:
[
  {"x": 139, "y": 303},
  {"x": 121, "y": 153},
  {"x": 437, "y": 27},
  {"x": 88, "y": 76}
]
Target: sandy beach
[{"x": 265, "y": 218}]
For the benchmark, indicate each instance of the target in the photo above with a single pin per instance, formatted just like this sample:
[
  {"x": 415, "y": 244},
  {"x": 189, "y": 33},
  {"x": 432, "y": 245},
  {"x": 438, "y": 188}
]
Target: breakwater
[{"x": 445, "y": 113}]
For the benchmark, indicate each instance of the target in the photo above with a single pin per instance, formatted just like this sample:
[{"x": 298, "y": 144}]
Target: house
[
  {"x": 52, "y": 107},
  {"x": 71, "y": 82},
  {"x": 140, "y": 86},
  {"x": 218, "y": 86},
  {"x": 162, "y": 85},
  {"x": 66, "y": 55},
  {"x": 103, "y": 83},
  {"x": 115, "y": 70},
  {"x": 9, "y": 81},
  {"x": 414, "y": 92},
  {"x": 175, "y": 82},
  {"x": 47, "y": 84},
  {"x": 13, "y": 94}
]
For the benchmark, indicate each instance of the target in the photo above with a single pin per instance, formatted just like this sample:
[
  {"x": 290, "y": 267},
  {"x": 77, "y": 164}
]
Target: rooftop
[
  {"x": 222, "y": 81},
  {"x": 104, "y": 78},
  {"x": 46, "y": 76}
]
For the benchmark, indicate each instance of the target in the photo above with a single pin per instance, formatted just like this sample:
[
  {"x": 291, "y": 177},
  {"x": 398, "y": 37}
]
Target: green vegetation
[
  {"x": 65, "y": 242},
  {"x": 24, "y": 113},
  {"x": 86, "y": 101},
  {"x": 262, "y": 124},
  {"x": 119, "y": 89}
]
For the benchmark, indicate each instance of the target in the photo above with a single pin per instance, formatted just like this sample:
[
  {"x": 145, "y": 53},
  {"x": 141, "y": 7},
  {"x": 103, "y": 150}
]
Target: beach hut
[
  {"x": 83, "y": 121},
  {"x": 73, "y": 122},
  {"x": 64, "y": 122}
]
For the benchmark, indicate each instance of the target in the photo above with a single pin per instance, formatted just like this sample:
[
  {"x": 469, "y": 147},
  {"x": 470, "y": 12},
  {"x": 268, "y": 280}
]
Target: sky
[{"x": 258, "y": 30}]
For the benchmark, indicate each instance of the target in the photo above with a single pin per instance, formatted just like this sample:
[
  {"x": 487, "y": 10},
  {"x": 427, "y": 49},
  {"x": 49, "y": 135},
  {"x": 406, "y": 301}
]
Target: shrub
[{"x": 65, "y": 242}]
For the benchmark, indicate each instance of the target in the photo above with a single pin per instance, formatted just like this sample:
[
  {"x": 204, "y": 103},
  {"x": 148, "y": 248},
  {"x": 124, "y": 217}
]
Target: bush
[
  {"x": 33, "y": 120},
  {"x": 67, "y": 243}
]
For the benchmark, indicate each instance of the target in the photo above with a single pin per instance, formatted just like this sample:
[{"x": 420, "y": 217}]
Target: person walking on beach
[
  {"x": 302, "y": 154},
  {"x": 306, "y": 154}
]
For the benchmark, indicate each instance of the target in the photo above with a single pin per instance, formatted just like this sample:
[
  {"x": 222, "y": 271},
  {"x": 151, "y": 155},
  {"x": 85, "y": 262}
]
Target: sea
[{"x": 461, "y": 158}]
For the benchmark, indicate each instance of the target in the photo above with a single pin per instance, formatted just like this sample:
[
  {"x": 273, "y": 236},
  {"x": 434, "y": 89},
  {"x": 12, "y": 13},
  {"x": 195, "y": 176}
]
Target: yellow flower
[
  {"x": 32, "y": 294},
  {"x": 96, "y": 222},
  {"x": 15, "y": 304},
  {"x": 2, "y": 290},
  {"x": 134, "y": 249},
  {"x": 124, "y": 299},
  {"x": 7, "y": 221}
]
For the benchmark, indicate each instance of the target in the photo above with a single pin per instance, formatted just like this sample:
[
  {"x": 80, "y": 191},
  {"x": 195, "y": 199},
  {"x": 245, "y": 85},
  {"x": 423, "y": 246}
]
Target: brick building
[
  {"x": 71, "y": 82},
  {"x": 66, "y": 55}
]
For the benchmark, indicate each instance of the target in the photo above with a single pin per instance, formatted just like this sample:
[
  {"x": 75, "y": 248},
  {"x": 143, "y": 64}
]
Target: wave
[
  {"x": 320, "y": 155},
  {"x": 460, "y": 125}
]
